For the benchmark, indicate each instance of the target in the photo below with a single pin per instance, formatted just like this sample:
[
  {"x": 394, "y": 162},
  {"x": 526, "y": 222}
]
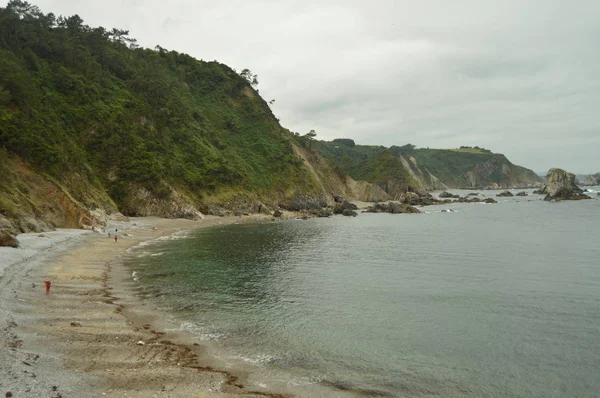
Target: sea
[{"x": 464, "y": 300}]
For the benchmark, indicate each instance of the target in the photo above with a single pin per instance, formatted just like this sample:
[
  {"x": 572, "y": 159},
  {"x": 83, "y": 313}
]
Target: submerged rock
[
  {"x": 505, "y": 194},
  {"x": 522, "y": 193},
  {"x": 560, "y": 185}
]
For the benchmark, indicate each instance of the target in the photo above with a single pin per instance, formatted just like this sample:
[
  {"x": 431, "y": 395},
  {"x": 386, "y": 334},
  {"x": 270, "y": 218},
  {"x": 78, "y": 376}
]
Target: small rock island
[{"x": 560, "y": 185}]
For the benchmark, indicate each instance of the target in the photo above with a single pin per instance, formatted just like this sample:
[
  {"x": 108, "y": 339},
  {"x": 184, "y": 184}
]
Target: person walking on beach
[{"x": 116, "y": 237}]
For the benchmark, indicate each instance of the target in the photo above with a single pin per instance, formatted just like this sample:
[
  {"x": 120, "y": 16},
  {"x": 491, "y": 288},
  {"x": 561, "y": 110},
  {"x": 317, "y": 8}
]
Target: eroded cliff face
[
  {"x": 425, "y": 179},
  {"x": 496, "y": 174},
  {"x": 31, "y": 201}
]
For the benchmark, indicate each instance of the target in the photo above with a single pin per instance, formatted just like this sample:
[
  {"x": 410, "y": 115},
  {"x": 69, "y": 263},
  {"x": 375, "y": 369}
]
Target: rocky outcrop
[
  {"x": 7, "y": 239},
  {"x": 476, "y": 200},
  {"x": 592, "y": 179},
  {"x": 522, "y": 193},
  {"x": 304, "y": 202},
  {"x": 419, "y": 198},
  {"x": 345, "y": 205},
  {"x": 447, "y": 194},
  {"x": 366, "y": 191},
  {"x": 142, "y": 203},
  {"x": 392, "y": 208},
  {"x": 505, "y": 194},
  {"x": 560, "y": 185},
  {"x": 349, "y": 213},
  {"x": 261, "y": 208}
]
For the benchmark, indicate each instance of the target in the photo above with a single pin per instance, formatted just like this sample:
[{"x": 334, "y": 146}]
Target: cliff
[
  {"x": 397, "y": 168},
  {"x": 92, "y": 125}
]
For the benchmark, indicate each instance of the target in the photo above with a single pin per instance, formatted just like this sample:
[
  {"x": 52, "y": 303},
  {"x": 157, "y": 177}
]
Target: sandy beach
[{"x": 91, "y": 336}]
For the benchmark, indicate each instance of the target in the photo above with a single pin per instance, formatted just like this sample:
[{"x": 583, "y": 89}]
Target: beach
[{"x": 91, "y": 336}]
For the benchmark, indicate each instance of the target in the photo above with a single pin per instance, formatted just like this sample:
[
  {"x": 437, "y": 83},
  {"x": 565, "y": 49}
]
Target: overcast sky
[{"x": 520, "y": 77}]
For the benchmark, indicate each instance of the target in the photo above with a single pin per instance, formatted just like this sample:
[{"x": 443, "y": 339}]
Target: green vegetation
[
  {"x": 88, "y": 102},
  {"x": 461, "y": 167}
]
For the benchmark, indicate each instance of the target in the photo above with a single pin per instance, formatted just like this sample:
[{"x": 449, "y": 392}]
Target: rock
[
  {"x": 392, "y": 208},
  {"x": 140, "y": 343},
  {"x": 96, "y": 229},
  {"x": 75, "y": 324},
  {"x": 505, "y": 194},
  {"x": 473, "y": 194},
  {"x": 560, "y": 185},
  {"x": 118, "y": 217},
  {"x": 420, "y": 198},
  {"x": 263, "y": 209},
  {"x": 322, "y": 213},
  {"x": 305, "y": 202},
  {"x": 345, "y": 205},
  {"x": 277, "y": 213},
  {"x": 7, "y": 239},
  {"x": 538, "y": 192},
  {"x": 522, "y": 193},
  {"x": 337, "y": 199},
  {"x": 476, "y": 200},
  {"x": 411, "y": 198},
  {"x": 349, "y": 213},
  {"x": 215, "y": 210},
  {"x": 446, "y": 194},
  {"x": 93, "y": 218}
]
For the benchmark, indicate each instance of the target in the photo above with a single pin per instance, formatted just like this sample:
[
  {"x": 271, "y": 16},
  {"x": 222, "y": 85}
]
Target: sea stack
[{"x": 560, "y": 185}]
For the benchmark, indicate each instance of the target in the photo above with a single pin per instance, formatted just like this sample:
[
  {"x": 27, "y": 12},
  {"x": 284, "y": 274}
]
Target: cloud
[{"x": 517, "y": 76}]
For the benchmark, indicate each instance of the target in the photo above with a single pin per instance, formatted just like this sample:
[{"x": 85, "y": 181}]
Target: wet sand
[{"x": 91, "y": 336}]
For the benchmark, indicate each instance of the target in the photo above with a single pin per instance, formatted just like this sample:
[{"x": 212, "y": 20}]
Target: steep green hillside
[
  {"x": 87, "y": 104},
  {"x": 474, "y": 168},
  {"x": 426, "y": 168}
]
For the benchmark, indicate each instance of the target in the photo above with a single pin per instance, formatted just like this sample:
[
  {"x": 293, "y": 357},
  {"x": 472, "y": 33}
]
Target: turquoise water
[{"x": 487, "y": 301}]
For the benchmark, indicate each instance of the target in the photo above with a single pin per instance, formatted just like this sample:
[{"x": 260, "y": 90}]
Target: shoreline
[{"x": 91, "y": 336}]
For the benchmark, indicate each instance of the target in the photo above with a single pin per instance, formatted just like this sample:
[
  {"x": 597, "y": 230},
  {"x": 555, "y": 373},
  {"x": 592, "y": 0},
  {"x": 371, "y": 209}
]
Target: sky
[{"x": 519, "y": 77}]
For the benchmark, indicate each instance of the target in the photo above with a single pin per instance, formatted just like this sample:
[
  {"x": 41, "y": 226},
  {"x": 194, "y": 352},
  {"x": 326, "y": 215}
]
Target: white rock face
[{"x": 560, "y": 185}]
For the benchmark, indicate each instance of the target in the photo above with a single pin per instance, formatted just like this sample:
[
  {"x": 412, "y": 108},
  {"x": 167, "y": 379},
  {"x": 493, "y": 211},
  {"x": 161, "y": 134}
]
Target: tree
[
  {"x": 307, "y": 139},
  {"x": 250, "y": 78}
]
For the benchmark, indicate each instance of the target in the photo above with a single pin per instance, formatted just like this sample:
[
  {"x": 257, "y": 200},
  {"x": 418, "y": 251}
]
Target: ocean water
[{"x": 495, "y": 300}]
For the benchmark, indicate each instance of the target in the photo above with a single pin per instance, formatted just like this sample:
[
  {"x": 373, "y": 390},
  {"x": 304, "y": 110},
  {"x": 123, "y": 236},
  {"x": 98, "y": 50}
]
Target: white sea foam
[
  {"x": 199, "y": 331},
  {"x": 259, "y": 359}
]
